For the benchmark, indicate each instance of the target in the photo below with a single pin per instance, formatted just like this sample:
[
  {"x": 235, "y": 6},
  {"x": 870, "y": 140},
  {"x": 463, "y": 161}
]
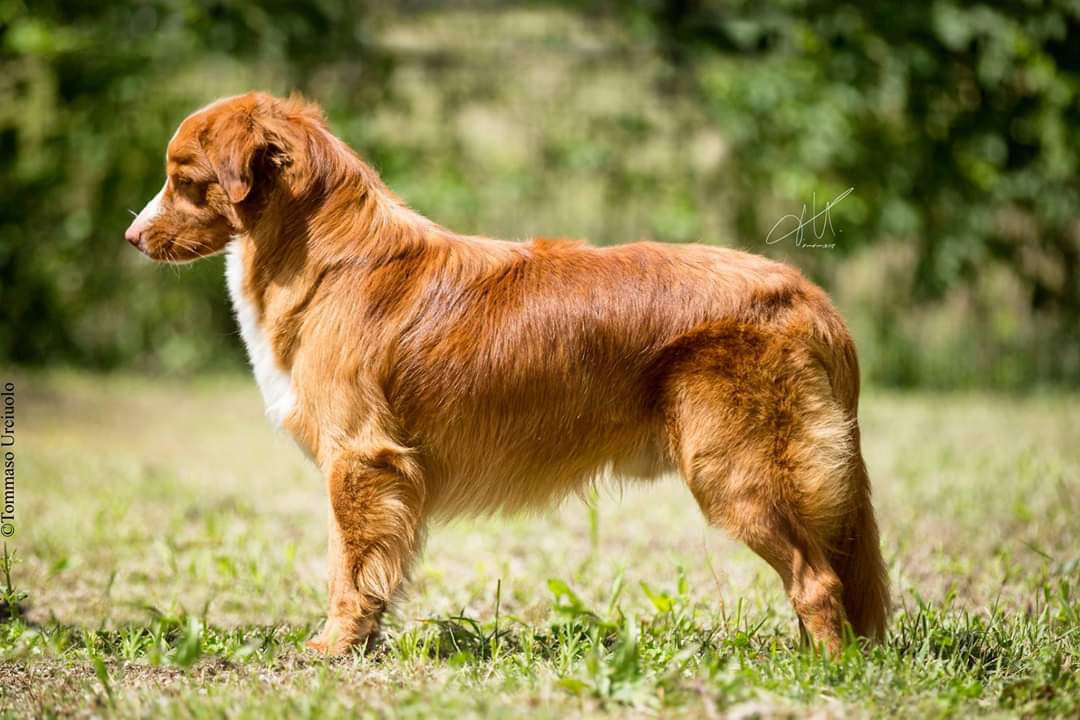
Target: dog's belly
[
  {"x": 527, "y": 455},
  {"x": 274, "y": 383},
  {"x": 515, "y": 482}
]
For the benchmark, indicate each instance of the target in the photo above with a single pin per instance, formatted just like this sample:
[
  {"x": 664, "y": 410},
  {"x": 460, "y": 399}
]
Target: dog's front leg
[{"x": 376, "y": 509}]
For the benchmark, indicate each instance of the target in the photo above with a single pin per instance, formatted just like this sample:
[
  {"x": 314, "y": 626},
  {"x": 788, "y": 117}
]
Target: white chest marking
[{"x": 274, "y": 383}]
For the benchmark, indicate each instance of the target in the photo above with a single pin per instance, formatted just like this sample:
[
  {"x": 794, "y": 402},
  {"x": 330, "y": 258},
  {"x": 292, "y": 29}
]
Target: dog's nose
[{"x": 134, "y": 234}]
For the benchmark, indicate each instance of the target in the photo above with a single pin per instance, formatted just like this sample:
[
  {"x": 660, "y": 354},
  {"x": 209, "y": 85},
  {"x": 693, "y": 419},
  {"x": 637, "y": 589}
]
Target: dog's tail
[
  {"x": 856, "y": 552},
  {"x": 857, "y": 560}
]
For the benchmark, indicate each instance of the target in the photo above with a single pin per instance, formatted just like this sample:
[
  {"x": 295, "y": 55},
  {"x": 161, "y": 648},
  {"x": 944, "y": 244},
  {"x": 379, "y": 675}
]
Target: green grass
[{"x": 169, "y": 562}]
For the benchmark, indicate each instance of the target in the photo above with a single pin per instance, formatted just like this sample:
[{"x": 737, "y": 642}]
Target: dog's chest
[{"x": 274, "y": 383}]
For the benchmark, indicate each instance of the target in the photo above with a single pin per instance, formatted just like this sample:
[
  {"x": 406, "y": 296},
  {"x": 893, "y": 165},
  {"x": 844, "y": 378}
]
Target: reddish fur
[{"x": 437, "y": 373}]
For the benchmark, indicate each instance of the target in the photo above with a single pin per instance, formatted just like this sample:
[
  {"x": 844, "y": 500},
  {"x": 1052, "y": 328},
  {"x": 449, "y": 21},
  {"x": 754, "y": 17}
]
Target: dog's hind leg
[
  {"x": 809, "y": 579},
  {"x": 768, "y": 454},
  {"x": 376, "y": 516}
]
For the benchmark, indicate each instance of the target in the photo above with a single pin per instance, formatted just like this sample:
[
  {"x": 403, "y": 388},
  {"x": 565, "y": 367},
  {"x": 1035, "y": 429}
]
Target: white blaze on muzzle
[{"x": 145, "y": 217}]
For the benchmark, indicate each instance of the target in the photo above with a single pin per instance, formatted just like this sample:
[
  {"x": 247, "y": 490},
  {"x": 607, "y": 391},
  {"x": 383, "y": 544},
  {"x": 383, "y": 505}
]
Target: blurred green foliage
[
  {"x": 90, "y": 93},
  {"x": 957, "y": 256},
  {"x": 958, "y": 125}
]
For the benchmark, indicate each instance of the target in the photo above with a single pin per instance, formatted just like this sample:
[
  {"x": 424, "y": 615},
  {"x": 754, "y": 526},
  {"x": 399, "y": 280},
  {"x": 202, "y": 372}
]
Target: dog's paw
[
  {"x": 317, "y": 644},
  {"x": 339, "y": 637},
  {"x": 330, "y": 646}
]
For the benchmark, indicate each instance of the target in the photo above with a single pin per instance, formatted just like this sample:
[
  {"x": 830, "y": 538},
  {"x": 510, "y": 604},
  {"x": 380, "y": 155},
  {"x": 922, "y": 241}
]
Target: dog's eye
[{"x": 183, "y": 181}]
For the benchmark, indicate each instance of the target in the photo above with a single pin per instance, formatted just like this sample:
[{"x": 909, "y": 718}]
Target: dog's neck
[
  {"x": 334, "y": 211},
  {"x": 332, "y": 208}
]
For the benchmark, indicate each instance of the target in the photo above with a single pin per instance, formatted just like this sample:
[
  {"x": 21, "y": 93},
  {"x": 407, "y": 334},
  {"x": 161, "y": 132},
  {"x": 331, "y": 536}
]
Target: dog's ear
[{"x": 234, "y": 145}]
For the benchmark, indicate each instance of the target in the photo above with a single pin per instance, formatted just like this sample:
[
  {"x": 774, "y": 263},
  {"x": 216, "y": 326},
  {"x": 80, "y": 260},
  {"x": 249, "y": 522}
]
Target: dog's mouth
[
  {"x": 174, "y": 249},
  {"x": 152, "y": 245},
  {"x": 165, "y": 251}
]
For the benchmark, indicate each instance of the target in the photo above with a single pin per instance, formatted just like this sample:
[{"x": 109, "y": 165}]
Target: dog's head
[{"x": 222, "y": 165}]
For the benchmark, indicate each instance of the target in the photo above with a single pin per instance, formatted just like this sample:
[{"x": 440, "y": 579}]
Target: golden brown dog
[{"x": 430, "y": 373}]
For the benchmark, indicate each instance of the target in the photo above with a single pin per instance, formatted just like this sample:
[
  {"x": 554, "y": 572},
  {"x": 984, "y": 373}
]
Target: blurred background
[{"x": 956, "y": 257}]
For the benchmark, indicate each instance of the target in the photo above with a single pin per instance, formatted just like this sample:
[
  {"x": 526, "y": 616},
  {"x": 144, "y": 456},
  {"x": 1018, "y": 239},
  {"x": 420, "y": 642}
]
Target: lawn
[{"x": 168, "y": 561}]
